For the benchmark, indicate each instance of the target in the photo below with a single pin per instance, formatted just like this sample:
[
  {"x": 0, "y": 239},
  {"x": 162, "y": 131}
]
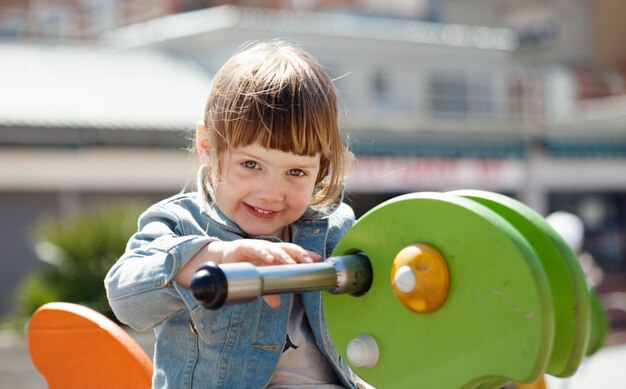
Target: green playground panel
[
  {"x": 570, "y": 297},
  {"x": 599, "y": 324},
  {"x": 497, "y": 323}
]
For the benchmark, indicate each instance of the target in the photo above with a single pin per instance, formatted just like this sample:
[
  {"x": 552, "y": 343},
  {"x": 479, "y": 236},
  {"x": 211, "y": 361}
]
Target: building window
[
  {"x": 53, "y": 21},
  {"x": 12, "y": 25},
  {"x": 380, "y": 89},
  {"x": 460, "y": 95},
  {"x": 448, "y": 96}
]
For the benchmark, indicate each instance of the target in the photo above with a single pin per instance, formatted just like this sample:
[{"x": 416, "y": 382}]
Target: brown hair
[{"x": 277, "y": 94}]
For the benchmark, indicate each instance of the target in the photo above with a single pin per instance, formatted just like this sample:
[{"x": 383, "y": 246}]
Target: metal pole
[{"x": 233, "y": 283}]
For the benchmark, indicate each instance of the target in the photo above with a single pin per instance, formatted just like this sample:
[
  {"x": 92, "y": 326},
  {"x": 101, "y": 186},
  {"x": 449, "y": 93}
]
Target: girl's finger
[
  {"x": 272, "y": 300},
  {"x": 281, "y": 256},
  {"x": 304, "y": 256},
  {"x": 266, "y": 256}
]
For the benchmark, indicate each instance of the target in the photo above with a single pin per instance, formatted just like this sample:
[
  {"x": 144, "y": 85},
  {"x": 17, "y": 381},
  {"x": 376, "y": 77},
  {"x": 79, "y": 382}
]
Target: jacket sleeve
[{"x": 139, "y": 286}]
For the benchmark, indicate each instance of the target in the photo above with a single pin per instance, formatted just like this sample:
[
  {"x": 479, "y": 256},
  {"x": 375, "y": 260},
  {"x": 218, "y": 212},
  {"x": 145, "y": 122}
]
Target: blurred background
[{"x": 98, "y": 99}]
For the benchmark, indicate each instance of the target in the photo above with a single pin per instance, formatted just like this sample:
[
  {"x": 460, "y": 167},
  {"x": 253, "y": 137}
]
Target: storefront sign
[{"x": 402, "y": 174}]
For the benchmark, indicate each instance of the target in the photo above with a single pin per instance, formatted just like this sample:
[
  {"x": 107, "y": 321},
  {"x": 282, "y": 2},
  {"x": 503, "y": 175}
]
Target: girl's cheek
[{"x": 304, "y": 188}]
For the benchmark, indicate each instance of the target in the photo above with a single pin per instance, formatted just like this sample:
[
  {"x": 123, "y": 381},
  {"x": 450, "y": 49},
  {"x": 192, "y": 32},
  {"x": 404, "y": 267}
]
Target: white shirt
[{"x": 301, "y": 364}]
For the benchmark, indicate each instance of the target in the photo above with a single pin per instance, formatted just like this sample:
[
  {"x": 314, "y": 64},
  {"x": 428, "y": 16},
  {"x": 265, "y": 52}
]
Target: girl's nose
[{"x": 271, "y": 189}]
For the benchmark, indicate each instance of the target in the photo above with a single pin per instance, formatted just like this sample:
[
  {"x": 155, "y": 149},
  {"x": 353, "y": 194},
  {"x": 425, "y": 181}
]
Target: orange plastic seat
[
  {"x": 539, "y": 384},
  {"x": 76, "y": 347}
]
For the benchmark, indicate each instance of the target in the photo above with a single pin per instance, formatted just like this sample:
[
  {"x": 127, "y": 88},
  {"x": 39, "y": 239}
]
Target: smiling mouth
[{"x": 259, "y": 211}]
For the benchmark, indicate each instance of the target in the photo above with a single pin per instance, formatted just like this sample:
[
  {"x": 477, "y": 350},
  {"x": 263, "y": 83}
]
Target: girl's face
[{"x": 265, "y": 190}]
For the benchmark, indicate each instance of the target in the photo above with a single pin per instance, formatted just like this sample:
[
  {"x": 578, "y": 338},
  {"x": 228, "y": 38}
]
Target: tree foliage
[{"x": 78, "y": 250}]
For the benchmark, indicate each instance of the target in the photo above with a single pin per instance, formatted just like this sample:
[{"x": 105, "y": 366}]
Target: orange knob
[{"x": 420, "y": 278}]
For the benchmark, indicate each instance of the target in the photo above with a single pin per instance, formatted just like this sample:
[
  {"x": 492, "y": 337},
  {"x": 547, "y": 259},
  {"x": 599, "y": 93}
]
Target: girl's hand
[{"x": 260, "y": 252}]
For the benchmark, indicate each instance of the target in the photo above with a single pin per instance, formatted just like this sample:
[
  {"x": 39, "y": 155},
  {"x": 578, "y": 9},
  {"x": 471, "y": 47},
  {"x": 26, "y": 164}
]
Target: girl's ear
[{"x": 202, "y": 142}]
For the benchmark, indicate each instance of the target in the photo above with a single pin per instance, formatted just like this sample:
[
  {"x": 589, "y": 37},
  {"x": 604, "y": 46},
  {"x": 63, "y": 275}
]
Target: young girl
[{"x": 269, "y": 192}]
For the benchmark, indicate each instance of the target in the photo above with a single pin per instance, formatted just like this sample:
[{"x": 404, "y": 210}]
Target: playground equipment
[
  {"x": 467, "y": 289},
  {"x": 76, "y": 347}
]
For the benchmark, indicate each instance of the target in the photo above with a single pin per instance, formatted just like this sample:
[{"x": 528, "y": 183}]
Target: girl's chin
[{"x": 251, "y": 230}]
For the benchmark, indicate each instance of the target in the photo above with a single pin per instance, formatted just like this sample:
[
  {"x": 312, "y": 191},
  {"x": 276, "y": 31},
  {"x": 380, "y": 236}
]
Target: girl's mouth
[{"x": 260, "y": 212}]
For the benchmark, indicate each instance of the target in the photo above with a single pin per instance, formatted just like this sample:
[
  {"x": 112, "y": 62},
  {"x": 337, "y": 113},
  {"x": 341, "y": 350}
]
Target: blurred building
[
  {"x": 438, "y": 95},
  {"x": 85, "y": 124},
  {"x": 577, "y": 33},
  {"x": 86, "y": 19},
  {"x": 579, "y": 45}
]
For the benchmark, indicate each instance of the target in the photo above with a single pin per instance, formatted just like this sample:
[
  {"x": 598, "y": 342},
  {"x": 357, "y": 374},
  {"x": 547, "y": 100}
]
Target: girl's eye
[
  {"x": 296, "y": 172},
  {"x": 250, "y": 164}
]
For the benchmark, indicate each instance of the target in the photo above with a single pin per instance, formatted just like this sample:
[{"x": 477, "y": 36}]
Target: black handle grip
[{"x": 209, "y": 286}]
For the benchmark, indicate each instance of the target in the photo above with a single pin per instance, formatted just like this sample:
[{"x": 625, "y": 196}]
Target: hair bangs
[{"x": 285, "y": 118}]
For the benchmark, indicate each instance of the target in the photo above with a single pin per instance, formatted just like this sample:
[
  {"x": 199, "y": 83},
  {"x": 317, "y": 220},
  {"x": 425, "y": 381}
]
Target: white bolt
[
  {"x": 363, "y": 351},
  {"x": 405, "y": 279}
]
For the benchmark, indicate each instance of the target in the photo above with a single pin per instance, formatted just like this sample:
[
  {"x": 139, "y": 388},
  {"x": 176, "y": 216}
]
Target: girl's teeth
[{"x": 264, "y": 212}]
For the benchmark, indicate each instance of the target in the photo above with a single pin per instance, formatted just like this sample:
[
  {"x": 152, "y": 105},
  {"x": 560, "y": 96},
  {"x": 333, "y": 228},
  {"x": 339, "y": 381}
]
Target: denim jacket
[{"x": 236, "y": 346}]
